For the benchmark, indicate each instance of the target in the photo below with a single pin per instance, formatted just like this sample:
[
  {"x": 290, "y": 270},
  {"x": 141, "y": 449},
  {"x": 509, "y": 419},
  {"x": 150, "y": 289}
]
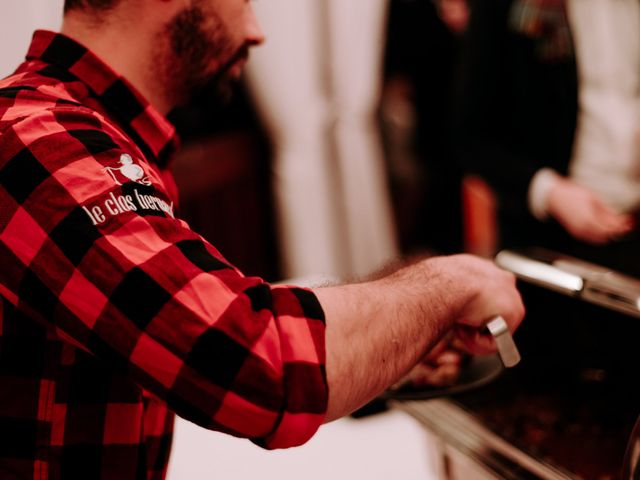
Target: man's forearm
[{"x": 377, "y": 331}]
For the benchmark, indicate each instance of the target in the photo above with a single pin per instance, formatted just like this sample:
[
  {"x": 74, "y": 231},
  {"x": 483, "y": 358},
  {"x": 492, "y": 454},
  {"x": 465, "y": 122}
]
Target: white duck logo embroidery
[{"x": 129, "y": 170}]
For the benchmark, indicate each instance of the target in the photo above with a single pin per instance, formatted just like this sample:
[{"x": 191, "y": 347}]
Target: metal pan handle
[{"x": 507, "y": 348}]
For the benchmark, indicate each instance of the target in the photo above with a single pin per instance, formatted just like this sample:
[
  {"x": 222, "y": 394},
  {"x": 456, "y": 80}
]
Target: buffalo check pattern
[{"x": 113, "y": 313}]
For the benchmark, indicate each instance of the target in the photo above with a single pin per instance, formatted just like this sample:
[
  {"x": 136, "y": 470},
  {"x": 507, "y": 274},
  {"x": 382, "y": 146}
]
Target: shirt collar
[{"x": 147, "y": 127}]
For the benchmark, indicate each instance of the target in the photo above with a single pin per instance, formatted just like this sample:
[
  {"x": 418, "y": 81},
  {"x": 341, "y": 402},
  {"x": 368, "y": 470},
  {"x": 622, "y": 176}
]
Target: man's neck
[{"x": 128, "y": 50}]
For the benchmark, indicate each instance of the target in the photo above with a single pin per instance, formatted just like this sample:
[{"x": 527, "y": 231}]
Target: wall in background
[{"x": 19, "y": 19}]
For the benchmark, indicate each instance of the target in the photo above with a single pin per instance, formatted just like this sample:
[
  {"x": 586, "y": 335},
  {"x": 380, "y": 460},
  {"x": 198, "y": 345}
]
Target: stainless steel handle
[
  {"x": 574, "y": 277},
  {"x": 540, "y": 273},
  {"x": 507, "y": 348}
]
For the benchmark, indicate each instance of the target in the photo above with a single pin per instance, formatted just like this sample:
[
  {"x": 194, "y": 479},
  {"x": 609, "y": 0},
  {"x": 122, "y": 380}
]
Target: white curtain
[{"x": 316, "y": 82}]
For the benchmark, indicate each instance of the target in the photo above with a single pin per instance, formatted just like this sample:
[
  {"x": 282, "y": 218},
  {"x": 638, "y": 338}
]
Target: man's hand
[
  {"x": 378, "y": 330},
  {"x": 584, "y": 215},
  {"x": 494, "y": 293}
]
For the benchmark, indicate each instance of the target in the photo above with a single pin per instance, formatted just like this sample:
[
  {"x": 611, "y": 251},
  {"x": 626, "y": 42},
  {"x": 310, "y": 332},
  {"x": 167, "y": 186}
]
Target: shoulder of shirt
[
  {"x": 29, "y": 85},
  {"x": 41, "y": 101}
]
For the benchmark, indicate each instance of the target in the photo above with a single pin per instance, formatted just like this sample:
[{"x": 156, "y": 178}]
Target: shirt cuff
[
  {"x": 301, "y": 327},
  {"x": 539, "y": 188}
]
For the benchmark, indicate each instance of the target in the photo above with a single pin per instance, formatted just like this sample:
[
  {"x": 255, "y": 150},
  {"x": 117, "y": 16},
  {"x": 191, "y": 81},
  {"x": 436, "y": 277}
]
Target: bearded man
[{"x": 114, "y": 314}]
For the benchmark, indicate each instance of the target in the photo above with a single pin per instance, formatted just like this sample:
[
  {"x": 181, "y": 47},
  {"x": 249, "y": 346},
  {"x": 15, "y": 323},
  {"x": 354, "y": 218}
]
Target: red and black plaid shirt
[{"x": 112, "y": 309}]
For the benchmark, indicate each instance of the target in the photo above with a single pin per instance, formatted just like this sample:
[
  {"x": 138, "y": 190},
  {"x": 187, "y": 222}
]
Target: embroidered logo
[{"x": 128, "y": 171}]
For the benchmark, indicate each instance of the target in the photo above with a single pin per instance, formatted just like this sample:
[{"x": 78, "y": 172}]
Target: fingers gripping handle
[{"x": 507, "y": 348}]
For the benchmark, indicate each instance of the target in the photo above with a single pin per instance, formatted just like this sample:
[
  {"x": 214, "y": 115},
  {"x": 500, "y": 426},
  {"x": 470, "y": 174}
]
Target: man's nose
[{"x": 255, "y": 35}]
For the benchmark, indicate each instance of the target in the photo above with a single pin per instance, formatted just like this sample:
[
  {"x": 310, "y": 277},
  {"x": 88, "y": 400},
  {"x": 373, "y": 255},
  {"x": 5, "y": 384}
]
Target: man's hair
[{"x": 95, "y": 5}]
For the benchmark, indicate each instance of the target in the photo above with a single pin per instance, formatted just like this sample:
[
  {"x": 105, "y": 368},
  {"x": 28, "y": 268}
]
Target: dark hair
[{"x": 89, "y": 4}]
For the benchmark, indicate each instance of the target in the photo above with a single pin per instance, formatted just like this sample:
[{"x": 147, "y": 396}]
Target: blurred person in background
[
  {"x": 421, "y": 63},
  {"x": 317, "y": 84},
  {"x": 114, "y": 314},
  {"x": 549, "y": 114}
]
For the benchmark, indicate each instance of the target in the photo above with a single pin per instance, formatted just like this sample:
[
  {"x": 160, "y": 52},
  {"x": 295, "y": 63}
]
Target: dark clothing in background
[
  {"x": 515, "y": 114},
  {"x": 422, "y": 49}
]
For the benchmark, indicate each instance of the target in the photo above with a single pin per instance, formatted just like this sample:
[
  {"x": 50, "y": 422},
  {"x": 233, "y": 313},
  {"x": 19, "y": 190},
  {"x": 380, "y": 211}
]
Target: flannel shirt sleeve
[{"x": 105, "y": 263}]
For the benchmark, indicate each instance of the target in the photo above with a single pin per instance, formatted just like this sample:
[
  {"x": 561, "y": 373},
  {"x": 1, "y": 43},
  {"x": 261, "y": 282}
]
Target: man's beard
[{"x": 186, "y": 67}]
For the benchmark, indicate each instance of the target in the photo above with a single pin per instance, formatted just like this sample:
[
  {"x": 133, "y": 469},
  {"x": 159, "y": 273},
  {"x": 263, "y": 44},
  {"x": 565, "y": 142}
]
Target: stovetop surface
[
  {"x": 575, "y": 397},
  {"x": 581, "y": 423}
]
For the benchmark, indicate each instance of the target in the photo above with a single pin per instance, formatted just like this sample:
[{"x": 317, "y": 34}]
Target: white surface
[
  {"x": 383, "y": 446},
  {"x": 19, "y": 19}
]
